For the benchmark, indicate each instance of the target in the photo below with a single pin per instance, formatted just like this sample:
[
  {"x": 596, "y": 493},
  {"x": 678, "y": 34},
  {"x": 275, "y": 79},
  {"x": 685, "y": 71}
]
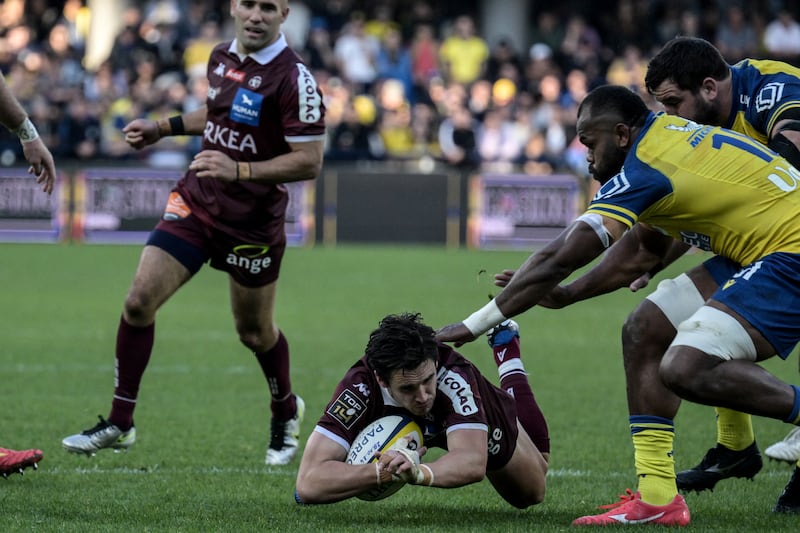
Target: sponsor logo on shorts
[
  {"x": 250, "y": 257},
  {"x": 176, "y": 208},
  {"x": 347, "y": 408}
]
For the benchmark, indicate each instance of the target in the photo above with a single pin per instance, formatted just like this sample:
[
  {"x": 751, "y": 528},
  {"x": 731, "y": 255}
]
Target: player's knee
[
  {"x": 534, "y": 495},
  {"x": 138, "y": 309},
  {"x": 680, "y": 376},
  {"x": 256, "y": 337}
]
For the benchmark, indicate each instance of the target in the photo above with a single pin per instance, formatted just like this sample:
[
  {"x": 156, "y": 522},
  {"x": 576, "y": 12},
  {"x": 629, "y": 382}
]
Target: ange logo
[{"x": 250, "y": 257}]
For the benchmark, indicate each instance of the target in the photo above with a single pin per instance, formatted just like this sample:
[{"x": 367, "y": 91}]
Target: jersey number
[{"x": 786, "y": 183}]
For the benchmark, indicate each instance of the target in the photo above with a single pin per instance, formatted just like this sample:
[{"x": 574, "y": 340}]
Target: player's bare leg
[
  {"x": 158, "y": 276},
  {"x": 253, "y": 311}
]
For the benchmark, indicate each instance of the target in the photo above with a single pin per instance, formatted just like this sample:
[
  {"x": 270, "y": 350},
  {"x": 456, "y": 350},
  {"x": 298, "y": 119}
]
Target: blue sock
[{"x": 794, "y": 417}]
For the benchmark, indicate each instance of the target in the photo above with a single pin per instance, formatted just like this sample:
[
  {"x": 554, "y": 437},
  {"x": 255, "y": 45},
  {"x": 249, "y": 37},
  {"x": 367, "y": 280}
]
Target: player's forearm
[
  {"x": 297, "y": 165},
  {"x": 458, "y": 468},
  {"x": 623, "y": 263},
  {"x": 334, "y": 481},
  {"x": 191, "y": 123},
  {"x": 12, "y": 115}
]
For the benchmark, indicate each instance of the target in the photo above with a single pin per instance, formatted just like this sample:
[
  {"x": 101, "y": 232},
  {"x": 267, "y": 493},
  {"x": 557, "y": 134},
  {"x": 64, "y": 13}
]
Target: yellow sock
[
  {"x": 655, "y": 466},
  {"x": 734, "y": 429}
]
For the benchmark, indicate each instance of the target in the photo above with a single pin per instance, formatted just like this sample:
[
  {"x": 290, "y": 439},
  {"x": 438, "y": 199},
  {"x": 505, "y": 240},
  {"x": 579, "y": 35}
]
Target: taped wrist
[
  {"x": 484, "y": 319},
  {"x": 26, "y": 131}
]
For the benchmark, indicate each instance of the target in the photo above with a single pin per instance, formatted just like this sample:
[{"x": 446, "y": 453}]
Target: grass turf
[{"x": 203, "y": 416}]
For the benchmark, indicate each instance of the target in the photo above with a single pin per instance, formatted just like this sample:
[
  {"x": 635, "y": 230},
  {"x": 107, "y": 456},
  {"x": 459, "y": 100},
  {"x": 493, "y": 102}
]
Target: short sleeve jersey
[
  {"x": 707, "y": 186},
  {"x": 764, "y": 91},
  {"x": 465, "y": 399},
  {"x": 257, "y": 104}
]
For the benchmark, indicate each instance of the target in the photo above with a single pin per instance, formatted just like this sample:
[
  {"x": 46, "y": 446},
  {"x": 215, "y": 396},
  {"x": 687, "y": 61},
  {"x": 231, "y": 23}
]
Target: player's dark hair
[
  {"x": 401, "y": 342},
  {"x": 686, "y": 61},
  {"x": 617, "y": 101}
]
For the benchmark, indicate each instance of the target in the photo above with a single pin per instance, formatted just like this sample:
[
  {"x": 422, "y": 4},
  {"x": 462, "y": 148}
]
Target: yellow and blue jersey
[
  {"x": 763, "y": 92},
  {"x": 707, "y": 186}
]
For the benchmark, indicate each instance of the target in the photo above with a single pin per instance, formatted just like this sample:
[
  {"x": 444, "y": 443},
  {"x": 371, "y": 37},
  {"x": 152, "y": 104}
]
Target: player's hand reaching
[
  {"x": 42, "y": 164},
  {"x": 641, "y": 282},
  {"x": 141, "y": 132},
  {"x": 458, "y": 334},
  {"x": 501, "y": 279}
]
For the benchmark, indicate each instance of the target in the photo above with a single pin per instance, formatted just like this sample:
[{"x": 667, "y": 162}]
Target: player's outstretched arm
[
  {"x": 142, "y": 132},
  {"x": 577, "y": 245},
  {"x": 639, "y": 251},
  {"x": 463, "y": 464},
  {"x": 325, "y": 477},
  {"x": 42, "y": 164},
  {"x": 13, "y": 117}
]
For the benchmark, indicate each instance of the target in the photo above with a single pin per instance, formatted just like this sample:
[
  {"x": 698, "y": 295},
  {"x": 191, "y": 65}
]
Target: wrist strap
[
  {"x": 484, "y": 319},
  {"x": 430, "y": 473},
  {"x": 26, "y": 131},
  {"x": 243, "y": 171},
  {"x": 176, "y": 125},
  {"x": 171, "y": 126}
]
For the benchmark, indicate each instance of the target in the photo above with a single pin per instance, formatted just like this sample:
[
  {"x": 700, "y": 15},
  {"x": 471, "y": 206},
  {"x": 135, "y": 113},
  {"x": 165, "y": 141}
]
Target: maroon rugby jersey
[
  {"x": 256, "y": 104},
  {"x": 465, "y": 399}
]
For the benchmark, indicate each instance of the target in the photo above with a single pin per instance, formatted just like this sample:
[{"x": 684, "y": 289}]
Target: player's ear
[
  {"x": 380, "y": 381},
  {"x": 709, "y": 88},
  {"x": 622, "y": 135}
]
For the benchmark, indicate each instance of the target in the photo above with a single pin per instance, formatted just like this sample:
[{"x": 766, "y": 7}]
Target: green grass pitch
[{"x": 202, "y": 418}]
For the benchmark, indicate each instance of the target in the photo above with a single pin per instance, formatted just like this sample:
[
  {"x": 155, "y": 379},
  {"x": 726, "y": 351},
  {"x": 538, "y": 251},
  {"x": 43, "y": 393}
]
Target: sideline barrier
[
  {"x": 345, "y": 204},
  {"x": 520, "y": 211},
  {"x": 29, "y": 215}
]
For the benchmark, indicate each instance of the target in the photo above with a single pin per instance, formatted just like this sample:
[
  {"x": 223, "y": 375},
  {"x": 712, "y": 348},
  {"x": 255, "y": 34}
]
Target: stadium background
[
  {"x": 407, "y": 137},
  {"x": 197, "y": 465}
]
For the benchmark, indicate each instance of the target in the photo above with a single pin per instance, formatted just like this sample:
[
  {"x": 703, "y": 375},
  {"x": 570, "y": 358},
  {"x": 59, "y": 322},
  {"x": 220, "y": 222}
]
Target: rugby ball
[{"x": 379, "y": 436}]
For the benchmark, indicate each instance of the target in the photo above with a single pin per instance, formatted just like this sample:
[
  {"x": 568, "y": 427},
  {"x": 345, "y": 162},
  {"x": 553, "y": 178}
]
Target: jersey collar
[{"x": 266, "y": 54}]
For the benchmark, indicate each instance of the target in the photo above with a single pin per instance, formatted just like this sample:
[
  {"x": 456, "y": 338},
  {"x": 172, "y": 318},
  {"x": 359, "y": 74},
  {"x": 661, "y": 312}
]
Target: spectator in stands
[
  {"x": 394, "y": 62},
  {"x": 356, "y": 54},
  {"x": 497, "y": 144},
  {"x": 198, "y": 48},
  {"x": 782, "y": 38},
  {"x": 129, "y": 46},
  {"x": 298, "y": 25},
  {"x": 503, "y": 59},
  {"x": 534, "y": 160},
  {"x": 736, "y": 37},
  {"x": 354, "y": 138},
  {"x": 463, "y": 54},
  {"x": 79, "y": 132},
  {"x": 424, "y": 50},
  {"x": 318, "y": 51},
  {"x": 457, "y": 139}
]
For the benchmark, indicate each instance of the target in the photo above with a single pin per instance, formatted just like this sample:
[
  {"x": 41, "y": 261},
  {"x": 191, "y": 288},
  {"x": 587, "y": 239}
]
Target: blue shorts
[
  {"x": 767, "y": 294},
  {"x": 721, "y": 268}
]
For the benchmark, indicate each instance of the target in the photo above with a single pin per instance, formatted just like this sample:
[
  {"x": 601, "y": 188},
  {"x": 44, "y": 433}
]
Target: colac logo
[
  {"x": 458, "y": 390},
  {"x": 310, "y": 101},
  {"x": 250, "y": 257}
]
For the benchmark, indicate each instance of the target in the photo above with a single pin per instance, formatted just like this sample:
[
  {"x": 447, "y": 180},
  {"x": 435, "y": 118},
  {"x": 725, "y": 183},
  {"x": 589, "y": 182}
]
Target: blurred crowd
[{"x": 404, "y": 80}]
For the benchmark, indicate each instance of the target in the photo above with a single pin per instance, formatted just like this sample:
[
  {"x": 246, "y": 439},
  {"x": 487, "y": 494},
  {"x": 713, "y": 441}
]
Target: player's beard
[
  {"x": 705, "y": 112},
  {"x": 609, "y": 164}
]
